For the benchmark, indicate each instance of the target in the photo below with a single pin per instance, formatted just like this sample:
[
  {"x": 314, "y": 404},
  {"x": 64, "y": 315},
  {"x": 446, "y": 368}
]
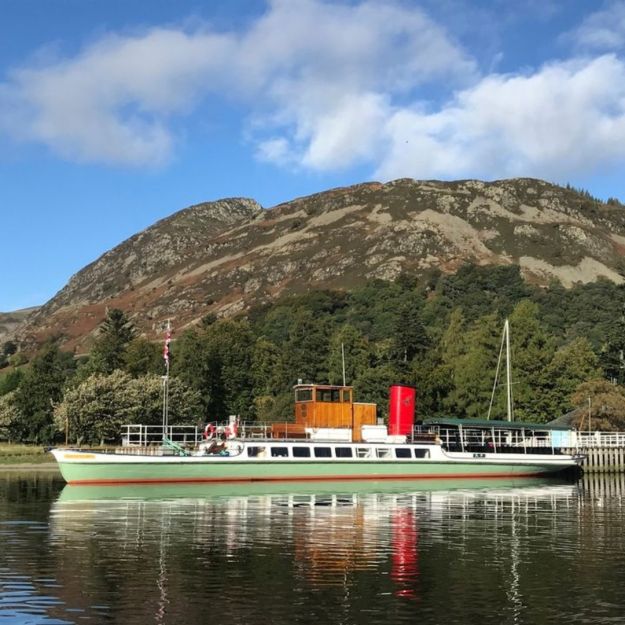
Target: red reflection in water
[{"x": 405, "y": 553}]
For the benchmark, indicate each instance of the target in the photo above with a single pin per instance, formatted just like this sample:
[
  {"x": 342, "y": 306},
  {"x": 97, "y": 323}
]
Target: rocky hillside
[
  {"x": 226, "y": 256},
  {"x": 10, "y": 321}
]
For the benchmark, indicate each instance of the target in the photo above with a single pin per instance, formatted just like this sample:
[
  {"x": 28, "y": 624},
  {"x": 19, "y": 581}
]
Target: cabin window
[
  {"x": 347, "y": 397},
  {"x": 280, "y": 452},
  {"x": 343, "y": 452},
  {"x": 383, "y": 452},
  {"x": 256, "y": 452},
  {"x": 403, "y": 452},
  {"x": 364, "y": 452},
  {"x": 303, "y": 394},
  {"x": 421, "y": 453},
  {"x": 328, "y": 395},
  {"x": 323, "y": 452},
  {"x": 301, "y": 452}
]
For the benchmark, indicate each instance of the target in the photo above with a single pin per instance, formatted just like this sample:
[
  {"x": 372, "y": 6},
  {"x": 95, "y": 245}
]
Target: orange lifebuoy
[{"x": 209, "y": 431}]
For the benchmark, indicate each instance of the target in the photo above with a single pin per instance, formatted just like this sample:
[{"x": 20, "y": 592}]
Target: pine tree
[{"x": 114, "y": 334}]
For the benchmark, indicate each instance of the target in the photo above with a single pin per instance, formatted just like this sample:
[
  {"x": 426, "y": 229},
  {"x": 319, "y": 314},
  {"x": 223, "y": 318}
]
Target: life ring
[
  {"x": 230, "y": 431},
  {"x": 209, "y": 431}
]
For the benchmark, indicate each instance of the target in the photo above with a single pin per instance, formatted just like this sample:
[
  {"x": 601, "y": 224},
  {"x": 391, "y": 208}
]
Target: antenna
[{"x": 343, "y": 361}]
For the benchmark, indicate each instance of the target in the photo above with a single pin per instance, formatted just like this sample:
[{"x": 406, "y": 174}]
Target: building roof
[{"x": 493, "y": 423}]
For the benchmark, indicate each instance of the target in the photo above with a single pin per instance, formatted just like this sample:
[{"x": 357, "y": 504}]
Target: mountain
[
  {"x": 10, "y": 321},
  {"x": 226, "y": 256}
]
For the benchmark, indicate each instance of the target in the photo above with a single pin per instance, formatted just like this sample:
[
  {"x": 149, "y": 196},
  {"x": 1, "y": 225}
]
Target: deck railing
[
  {"x": 600, "y": 439},
  {"x": 138, "y": 435}
]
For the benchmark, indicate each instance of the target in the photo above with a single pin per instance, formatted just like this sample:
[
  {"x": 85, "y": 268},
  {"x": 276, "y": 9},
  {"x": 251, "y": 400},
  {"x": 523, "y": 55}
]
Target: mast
[
  {"x": 506, "y": 329},
  {"x": 166, "y": 380},
  {"x": 505, "y": 340}
]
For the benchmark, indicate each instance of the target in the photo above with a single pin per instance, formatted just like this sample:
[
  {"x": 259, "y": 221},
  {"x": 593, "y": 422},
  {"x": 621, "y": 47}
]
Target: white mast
[
  {"x": 166, "y": 380},
  {"x": 505, "y": 340},
  {"x": 506, "y": 329}
]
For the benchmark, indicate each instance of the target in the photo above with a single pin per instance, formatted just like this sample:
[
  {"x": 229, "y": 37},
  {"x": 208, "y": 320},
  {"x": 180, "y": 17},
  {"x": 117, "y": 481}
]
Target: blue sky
[{"x": 114, "y": 114}]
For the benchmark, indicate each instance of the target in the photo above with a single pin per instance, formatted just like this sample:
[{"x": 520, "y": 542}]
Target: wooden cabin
[{"x": 326, "y": 406}]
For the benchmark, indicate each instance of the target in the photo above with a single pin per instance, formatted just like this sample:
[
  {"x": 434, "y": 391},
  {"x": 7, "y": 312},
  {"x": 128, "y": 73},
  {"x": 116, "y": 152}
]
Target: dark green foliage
[
  {"x": 9, "y": 348},
  {"x": 142, "y": 357},
  {"x": 115, "y": 332},
  {"x": 39, "y": 391},
  {"x": 442, "y": 335},
  {"x": 10, "y": 381}
]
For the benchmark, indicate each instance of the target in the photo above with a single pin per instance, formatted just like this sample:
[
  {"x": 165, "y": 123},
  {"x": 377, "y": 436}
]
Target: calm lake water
[{"x": 502, "y": 552}]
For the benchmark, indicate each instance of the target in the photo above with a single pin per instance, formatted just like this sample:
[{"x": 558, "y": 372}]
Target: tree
[
  {"x": 532, "y": 351},
  {"x": 109, "y": 350},
  {"x": 9, "y": 348},
  {"x": 607, "y": 403},
  {"x": 409, "y": 334},
  {"x": 217, "y": 362},
  {"x": 96, "y": 409},
  {"x": 571, "y": 365},
  {"x": 10, "y": 381},
  {"x": 471, "y": 362},
  {"x": 358, "y": 355},
  {"x": 142, "y": 357},
  {"x": 41, "y": 388},
  {"x": 9, "y": 415}
]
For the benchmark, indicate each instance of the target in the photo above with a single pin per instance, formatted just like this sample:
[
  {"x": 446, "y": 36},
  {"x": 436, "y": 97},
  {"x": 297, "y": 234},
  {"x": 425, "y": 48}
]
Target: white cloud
[
  {"x": 299, "y": 63},
  {"x": 602, "y": 30},
  {"x": 328, "y": 86},
  {"x": 565, "y": 118}
]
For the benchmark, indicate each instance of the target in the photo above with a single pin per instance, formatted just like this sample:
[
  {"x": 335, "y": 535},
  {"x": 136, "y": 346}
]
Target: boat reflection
[
  {"x": 334, "y": 532},
  {"x": 165, "y": 492}
]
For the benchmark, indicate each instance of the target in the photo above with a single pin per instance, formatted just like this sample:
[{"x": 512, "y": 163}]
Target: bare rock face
[{"x": 226, "y": 256}]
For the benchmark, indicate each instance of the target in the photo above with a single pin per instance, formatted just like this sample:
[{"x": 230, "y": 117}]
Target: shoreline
[{"x": 29, "y": 466}]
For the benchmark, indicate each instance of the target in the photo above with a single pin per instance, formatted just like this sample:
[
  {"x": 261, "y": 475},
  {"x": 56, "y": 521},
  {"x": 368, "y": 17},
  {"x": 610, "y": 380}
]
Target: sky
[{"x": 117, "y": 113}]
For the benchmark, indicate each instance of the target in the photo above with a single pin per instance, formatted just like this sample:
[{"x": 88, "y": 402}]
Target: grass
[{"x": 23, "y": 454}]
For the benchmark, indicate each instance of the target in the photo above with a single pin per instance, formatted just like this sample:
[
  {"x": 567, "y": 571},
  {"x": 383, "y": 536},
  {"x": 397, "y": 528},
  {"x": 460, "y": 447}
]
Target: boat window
[
  {"x": 421, "y": 453},
  {"x": 256, "y": 452},
  {"x": 402, "y": 452},
  {"x": 364, "y": 452},
  {"x": 330, "y": 395},
  {"x": 280, "y": 452},
  {"x": 303, "y": 394},
  {"x": 383, "y": 452},
  {"x": 301, "y": 452},
  {"x": 346, "y": 396},
  {"x": 343, "y": 452},
  {"x": 323, "y": 452}
]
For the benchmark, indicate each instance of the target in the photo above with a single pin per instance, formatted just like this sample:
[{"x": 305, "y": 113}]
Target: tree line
[{"x": 440, "y": 333}]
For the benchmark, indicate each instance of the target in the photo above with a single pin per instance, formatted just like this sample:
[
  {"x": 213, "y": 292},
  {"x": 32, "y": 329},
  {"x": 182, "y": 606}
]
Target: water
[{"x": 527, "y": 552}]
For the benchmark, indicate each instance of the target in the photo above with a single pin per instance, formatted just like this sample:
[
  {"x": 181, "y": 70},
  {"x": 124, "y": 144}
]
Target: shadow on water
[{"x": 500, "y": 551}]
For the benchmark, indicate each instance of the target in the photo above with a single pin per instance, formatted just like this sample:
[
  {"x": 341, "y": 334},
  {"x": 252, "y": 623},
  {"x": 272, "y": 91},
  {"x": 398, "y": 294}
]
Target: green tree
[
  {"x": 114, "y": 335},
  {"x": 9, "y": 415},
  {"x": 9, "y": 348},
  {"x": 143, "y": 356},
  {"x": 217, "y": 362},
  {"x": 471, "y": 363},
  {"x": 607, "y": 404},
  {"x": 41, "y": 388},
  {"x": 358, "y": 355},
  {"x": 571, "y": 365},
  {"x": 10, "y": 381},
  {"x": 532, "y": 351},
  {"x": 410, "y": 337},
  {"x": 97, "y": 408}
]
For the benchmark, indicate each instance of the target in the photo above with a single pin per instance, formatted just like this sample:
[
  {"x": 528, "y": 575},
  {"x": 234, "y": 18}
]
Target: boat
[{"x": 332, "y": 438}]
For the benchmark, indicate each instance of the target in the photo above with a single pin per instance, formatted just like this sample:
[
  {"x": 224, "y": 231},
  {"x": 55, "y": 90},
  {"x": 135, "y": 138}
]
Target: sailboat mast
[
  {"x": 506, "y": 330},
  {"x": 166, "y": 380}
]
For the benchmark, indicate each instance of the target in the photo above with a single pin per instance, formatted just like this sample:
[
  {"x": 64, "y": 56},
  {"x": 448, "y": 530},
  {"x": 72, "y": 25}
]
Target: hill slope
[{"x": 228, "y": 255}]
